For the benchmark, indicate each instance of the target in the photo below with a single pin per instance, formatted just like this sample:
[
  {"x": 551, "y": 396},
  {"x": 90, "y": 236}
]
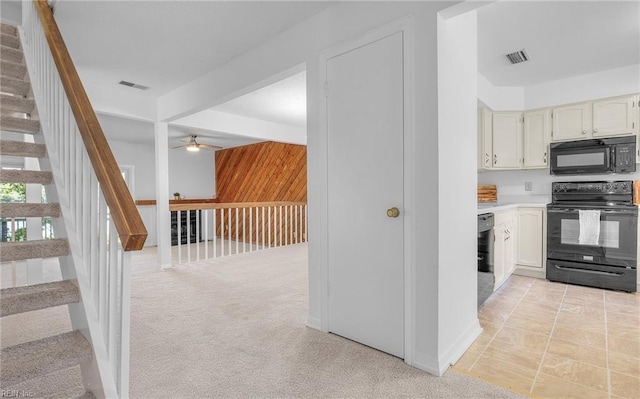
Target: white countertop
[{"x": 491, "y": 207}]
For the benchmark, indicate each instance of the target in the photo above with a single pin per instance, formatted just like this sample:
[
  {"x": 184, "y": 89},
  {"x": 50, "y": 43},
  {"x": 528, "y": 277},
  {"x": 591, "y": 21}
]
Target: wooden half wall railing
[
  {"x": 211, "y": 230},
  {"x": 122, "y": 208}
]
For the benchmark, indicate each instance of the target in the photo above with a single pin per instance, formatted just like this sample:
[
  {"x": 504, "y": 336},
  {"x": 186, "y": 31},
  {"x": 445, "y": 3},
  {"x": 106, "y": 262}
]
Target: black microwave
[{"x": 598, "y": 156}]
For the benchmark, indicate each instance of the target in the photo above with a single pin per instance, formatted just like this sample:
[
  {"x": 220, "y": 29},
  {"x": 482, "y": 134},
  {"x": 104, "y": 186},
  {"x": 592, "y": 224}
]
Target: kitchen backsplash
[{"x": 511, "y": 184}]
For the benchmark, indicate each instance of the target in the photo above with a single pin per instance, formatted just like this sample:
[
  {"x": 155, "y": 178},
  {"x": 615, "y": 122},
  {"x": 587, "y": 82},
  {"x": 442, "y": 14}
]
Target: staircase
[{"x": 50, "y": 365}]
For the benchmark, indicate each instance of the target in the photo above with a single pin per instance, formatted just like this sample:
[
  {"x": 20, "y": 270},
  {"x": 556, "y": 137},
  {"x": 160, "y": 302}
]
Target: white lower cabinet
[
  {"x": 520, "y": 243},
  {"x": 504, "y": 246},
  {"x": 531, "y": 242}
]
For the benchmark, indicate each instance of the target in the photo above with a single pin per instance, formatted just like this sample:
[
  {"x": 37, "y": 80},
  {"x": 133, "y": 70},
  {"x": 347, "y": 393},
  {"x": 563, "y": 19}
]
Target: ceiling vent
[
  {"x": 518, "y": 57},
  {"x": 135, "y": 86}
]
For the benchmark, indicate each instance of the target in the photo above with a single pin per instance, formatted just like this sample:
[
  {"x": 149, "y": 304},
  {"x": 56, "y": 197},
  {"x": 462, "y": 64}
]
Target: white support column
[
  {"x": 163, "y": 217},
  {"x": 34, "y": 225}
]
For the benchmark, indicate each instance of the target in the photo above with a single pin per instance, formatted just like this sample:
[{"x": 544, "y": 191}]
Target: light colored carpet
[{"x": 234, "y": 328}]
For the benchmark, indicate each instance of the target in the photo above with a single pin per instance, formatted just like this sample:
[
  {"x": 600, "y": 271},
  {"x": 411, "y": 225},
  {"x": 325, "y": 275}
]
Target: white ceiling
[
  {"x": 166, "y": 44},
  {"x": 562, "y": 38},
  {"x": 283, "y": 102},
  {"x": 134, "y": 131}
]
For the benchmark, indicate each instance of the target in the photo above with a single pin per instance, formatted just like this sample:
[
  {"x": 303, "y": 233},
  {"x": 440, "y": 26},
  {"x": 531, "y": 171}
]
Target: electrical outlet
[{"x": 528, "y": 186}]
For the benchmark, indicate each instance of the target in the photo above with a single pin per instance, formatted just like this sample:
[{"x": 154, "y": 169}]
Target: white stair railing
[
  {"x": 101, "y": 265},
  {"x": 204, "y": 231}
]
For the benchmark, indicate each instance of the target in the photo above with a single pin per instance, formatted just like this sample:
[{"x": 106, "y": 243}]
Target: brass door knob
[{"x": 393, "y": 212}]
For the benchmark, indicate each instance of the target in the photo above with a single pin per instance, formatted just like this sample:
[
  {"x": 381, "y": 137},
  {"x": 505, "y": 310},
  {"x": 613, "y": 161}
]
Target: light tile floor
[{"x": 553, "y": 340}]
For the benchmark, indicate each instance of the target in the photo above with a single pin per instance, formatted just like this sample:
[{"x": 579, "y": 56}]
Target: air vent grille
[
  {"x": 518, "y": 57},
  {"x": 135, "y": 86}
]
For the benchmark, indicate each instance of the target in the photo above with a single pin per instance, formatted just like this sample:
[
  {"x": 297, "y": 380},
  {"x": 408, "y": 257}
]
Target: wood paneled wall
[{"x": 262, "y": 172}]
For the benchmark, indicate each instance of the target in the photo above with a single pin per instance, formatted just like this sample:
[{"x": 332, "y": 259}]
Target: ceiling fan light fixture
[{"x": 193, "y": 147}]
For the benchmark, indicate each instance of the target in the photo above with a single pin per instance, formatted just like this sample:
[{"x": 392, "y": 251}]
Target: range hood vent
[
  {"x": 135, "y": 86},
  {"x": 518, "y": 57}
]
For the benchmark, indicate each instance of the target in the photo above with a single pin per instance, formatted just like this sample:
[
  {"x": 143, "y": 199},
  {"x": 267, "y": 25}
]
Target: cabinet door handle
[
  {"x": 495, "y": 159},
  {"x": 544, "y": 158},
  {"x": 486, "y": 160},
  {"x": 584, "y": 132},
  {"x": 595, "y": 130}
]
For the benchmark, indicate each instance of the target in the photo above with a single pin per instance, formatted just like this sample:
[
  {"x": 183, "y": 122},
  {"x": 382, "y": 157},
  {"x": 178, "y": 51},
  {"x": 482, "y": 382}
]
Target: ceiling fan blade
[
  {"x": 217, "y": 147},
  {"x": 180, "y": 146}
]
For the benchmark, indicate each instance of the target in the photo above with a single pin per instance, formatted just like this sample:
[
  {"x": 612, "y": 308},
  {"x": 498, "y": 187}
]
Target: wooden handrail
[
  {"x": 223, "y": 205},
  {"x": 123, "y": 210}
]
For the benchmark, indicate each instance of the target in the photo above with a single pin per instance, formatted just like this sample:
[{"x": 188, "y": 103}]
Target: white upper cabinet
[
  {"x": 536, "y": 137},
  {"x": 572, "y": 122},
  {"x": 614, "y": 117},
  {"x": 485, "y": 150},
  {"x": 507, "y": 140},
  {"x": 516, "y": 140},
  {"x": 601, "y": 118}
]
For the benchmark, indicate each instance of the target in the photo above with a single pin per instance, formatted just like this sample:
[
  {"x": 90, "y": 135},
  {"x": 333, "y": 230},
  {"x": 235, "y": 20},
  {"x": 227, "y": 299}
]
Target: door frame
[{"x": 406, "y": 27}]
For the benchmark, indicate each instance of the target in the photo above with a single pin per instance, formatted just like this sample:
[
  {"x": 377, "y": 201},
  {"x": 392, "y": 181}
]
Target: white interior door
[{"x": 365, "y": 179}]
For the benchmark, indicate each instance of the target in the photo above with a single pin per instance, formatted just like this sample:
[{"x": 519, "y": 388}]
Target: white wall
[
  {"x": 510, "y": 184},
  {"x": 458, "y": 324},
  {"x": 192, "y": 174},
  {"x": 611, "y": 83},
  {"x": 302, "y": 44},
  {"x": 619, "y": 81},
  {"x": 499, "y": 98},
  {"x": 11, "y": 12},
  {"x": 141, "y": 157}
]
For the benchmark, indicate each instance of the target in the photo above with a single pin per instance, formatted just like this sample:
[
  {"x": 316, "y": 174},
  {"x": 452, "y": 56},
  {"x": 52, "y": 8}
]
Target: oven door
[
  {"x": 617, "y": 241},
  {"x": 571, "y": 160}
]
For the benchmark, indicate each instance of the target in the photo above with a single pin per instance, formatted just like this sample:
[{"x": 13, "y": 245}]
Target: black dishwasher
[{"x": 485, "y": 257}]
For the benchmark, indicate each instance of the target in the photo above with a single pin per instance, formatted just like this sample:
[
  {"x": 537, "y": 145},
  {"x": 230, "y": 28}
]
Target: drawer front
[{"x": 504, "y": 217}]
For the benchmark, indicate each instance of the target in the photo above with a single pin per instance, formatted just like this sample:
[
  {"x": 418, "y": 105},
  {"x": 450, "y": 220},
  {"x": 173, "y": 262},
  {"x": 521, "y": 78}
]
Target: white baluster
[
  {"x": 269, "y": 224},
  {"x": 102, "y": 280},
  {"x": 215, "y": 235},
  {"x": 112, "y": 283},
  {"x": 206, "y": 234},
  {"x": 237, "y": 239},
  {"x": 229, "y": 231},
  {"x": 279, "y": 224},
  {"x": 179, "y": 227},
  {"x": 188, "y": 220},
  {"x": 244, "y": 232},
  {"x": 263, "y": 227},
  {"x": 198, "y": 234}
]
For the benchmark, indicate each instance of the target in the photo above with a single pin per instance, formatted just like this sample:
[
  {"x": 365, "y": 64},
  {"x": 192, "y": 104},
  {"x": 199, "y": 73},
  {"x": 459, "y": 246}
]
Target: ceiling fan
[{"x": 192, "y": 145}]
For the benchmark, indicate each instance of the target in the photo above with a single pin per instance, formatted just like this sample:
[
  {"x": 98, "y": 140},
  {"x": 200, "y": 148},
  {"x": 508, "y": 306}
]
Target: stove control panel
[{"x": 598, "y": 187}]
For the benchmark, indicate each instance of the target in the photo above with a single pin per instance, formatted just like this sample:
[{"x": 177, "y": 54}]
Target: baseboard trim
[
  {"x": 455, "y": 352},
  {"x": 314, "y": 322},
  {"x": 526, "y": 271},
  {"x": 437, "y": 367}
]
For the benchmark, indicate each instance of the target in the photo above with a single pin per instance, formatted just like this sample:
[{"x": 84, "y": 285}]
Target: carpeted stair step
[
  {"x": 25, "y": 176},
  {"x": 86, "y": 395},
  {"x": 9, "y": 30},
  {"x": 32, "y": 249},
  {"x": 13, "y": 69},
  {"x": 14, "y": 86},
  {"x": 9, "y": 40},
  {"x": 22, "y": 149},
  {"x": 29, "y": 210},
  {"x": 10, "y": 103},
  {"x": 20, "y": 125},
  {"x": 11, "y": 54},
  {"x": 35, "y": 297},
  {"x": 32, "y": 359}
]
